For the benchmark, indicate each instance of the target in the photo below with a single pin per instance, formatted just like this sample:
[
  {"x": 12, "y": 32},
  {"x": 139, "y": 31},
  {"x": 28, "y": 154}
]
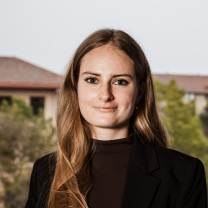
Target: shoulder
[
  {"x": 43, "y": 170},
  {"x": 41, "y": 179},
  {"x": 185, "y": 174},
  {"x": 180, "y": 166},
  {"x": 176, "y": 159},
  {"x": 167, "y": 161},
  {"x": 46, "y": 161}
]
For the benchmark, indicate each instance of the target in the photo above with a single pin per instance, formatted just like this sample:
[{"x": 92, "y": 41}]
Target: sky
[{"x": 173, "y": 34}]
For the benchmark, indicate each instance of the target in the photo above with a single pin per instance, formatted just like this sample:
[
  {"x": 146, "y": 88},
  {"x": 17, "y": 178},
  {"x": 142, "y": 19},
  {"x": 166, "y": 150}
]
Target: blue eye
[
  {"x": 121, "y": 82},
  {"x": 91, "y": 80}
]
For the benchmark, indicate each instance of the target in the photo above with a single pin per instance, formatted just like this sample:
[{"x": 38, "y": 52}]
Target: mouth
[{"x": 106, "y": 109}]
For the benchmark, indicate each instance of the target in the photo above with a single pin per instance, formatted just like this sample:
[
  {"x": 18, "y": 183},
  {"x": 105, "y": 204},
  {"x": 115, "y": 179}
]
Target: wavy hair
[{"x": 72, "y": 179}]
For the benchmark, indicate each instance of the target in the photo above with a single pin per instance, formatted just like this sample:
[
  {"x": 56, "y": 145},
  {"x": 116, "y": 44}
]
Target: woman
[{"x": 112, "y": 148}]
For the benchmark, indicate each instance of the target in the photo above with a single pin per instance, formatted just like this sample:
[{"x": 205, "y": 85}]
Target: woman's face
[{"x": 107, "y": 88}]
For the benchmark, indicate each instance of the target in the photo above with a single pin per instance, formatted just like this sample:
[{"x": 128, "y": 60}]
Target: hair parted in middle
[{"x": 72, "y": 179}]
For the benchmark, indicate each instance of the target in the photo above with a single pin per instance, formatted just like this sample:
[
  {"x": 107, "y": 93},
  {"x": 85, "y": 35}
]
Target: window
[
  {"x": 37, "y": 103},
  {"x": 189, "y": 96},
  {"x": 6, "y": 98}
]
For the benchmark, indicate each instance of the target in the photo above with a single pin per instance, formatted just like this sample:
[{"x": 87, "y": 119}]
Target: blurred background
[{"x": 38, "y": 39}]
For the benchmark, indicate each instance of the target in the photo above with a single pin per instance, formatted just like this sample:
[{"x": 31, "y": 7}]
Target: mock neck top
[{"x": 108, "y": 169}]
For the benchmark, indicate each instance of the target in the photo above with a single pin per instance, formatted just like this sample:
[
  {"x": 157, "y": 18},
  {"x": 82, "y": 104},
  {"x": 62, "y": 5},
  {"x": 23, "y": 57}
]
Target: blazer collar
[{"x": 140, "y": 186}]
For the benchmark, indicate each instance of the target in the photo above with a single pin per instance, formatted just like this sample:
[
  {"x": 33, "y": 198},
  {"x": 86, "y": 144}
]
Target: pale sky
[{"x": 173, "y": 34}]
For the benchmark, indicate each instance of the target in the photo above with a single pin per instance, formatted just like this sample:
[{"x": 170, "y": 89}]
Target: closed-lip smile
[{"x": 105, "y": 109}]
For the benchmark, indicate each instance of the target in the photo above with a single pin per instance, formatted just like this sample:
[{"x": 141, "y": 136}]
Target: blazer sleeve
[
  {"x": 193, "y": 192},
  {"x": 32, "y": 196}
]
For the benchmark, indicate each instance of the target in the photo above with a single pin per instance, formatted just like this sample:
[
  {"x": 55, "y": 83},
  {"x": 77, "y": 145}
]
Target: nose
[{"x": 106, "y": 94}]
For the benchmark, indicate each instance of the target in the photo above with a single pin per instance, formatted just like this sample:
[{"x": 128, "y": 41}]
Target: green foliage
[
  {"x": 181, "y": 121},
  {"x": 24, "y": 137},
  {"x": 204, "y": 120}
]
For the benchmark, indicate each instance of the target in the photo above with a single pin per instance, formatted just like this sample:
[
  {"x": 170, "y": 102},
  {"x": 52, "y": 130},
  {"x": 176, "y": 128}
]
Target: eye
[
  {"x": 91, "y": 80},
  {"x": 121, "y": 82}
]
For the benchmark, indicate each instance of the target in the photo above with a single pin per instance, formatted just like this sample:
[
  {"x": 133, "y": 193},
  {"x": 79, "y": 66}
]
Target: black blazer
[{"x": 156, "y": 178}]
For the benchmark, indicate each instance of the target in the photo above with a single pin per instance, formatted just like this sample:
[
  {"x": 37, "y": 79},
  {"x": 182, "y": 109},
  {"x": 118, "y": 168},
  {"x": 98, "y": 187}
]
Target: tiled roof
[
  {"x": 16, "y": 73},
  {"x": 191, "y": 84}
]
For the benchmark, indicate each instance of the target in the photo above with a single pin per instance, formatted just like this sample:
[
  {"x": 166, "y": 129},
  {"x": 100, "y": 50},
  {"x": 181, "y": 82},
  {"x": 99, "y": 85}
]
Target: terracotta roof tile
[
  {"x": 16, "y": 73},
  {"x": 191, "y": 84}
]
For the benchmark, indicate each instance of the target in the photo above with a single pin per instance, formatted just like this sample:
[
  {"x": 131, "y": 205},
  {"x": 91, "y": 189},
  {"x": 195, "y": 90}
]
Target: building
[
  {"x": 194, "y": 86},
  {"x": 37, "y": 86}
]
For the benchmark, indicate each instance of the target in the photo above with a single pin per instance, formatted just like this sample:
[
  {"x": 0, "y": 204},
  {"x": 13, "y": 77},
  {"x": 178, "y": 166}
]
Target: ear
[{"x": 141, "y": 91}]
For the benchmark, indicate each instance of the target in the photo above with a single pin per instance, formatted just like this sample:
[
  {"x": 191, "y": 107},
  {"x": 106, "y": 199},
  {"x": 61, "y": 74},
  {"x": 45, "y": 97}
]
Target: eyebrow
[{"x": 116, "y": 75}]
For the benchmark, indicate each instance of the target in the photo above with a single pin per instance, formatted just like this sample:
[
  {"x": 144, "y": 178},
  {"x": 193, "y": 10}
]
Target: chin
[
  {"x": 109, "y": 125},
  {"x": 104, "y": 124}
]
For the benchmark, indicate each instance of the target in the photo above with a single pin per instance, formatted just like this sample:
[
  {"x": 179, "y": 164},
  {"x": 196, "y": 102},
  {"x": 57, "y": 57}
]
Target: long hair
[{"x": 72, "y": 179}]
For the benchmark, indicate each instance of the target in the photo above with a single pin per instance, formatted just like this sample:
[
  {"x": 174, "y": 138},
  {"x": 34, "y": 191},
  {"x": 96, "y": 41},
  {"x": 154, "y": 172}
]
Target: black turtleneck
[{"x": 108, "y": 168}]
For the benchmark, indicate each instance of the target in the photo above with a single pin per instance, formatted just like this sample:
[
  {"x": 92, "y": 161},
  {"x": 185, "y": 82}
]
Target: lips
[{"x": 105, "y": 109}]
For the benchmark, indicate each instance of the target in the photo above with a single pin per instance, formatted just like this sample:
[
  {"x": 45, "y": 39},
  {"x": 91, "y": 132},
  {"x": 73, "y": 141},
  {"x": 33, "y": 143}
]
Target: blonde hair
[{"x": 72, "y": 179}]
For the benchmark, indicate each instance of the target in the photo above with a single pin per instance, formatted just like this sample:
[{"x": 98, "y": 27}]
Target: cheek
[
  {"x": 82, "y": 96},
  {"x": 82, "y": 101},
  {"x": 85, "y": 99},
  {"x": 81, "y": 91},
  {"x": 128, "y": 98}
]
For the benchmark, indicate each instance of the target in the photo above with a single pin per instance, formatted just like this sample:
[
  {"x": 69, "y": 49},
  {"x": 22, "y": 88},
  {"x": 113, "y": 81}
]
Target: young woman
[{"x": 112, "y": 148}]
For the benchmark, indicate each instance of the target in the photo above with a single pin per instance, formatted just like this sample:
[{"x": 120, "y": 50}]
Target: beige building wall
[
  {"x": 50, "y": 99},
  {"x": 201, "y": 102}
]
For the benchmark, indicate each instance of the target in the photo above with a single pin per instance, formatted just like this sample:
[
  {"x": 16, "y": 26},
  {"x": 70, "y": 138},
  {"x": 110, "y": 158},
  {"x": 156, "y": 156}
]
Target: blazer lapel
[{"x": 140, "y": 185}]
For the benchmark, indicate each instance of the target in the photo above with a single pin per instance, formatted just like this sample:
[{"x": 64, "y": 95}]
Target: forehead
[{"x": 107, "y": 59}]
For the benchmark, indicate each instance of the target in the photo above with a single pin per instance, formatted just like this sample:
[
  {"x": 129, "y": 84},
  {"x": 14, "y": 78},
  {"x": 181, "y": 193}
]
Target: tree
[
  {"x": 204, "y": 120},
  {"x": 24, "y": 137},
  {"x": 181, "y": 121}
]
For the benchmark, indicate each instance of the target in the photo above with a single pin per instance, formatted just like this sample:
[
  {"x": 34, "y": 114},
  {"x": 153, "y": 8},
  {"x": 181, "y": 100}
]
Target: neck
[{"x": 109, "y": 134}]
